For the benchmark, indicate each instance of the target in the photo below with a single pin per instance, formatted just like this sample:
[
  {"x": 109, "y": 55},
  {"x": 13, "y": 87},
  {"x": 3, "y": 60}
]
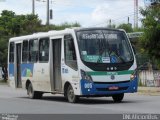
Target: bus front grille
[
  {"x": 107, "y": 89},
  {"x": 112, "y": 82}
]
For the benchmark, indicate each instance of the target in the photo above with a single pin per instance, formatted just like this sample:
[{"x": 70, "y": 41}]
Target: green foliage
[
  {"x": 3, "y": 50},
  {"x": 111, "y": 26},
  {"x": 151, "y": 39},
  {"x": 126, "y": 27},
  {"x": 140, "y": 83},
  {"x": 140, "y": 29},
  {"x": 15, "y": 25},
  {"x": 59, "y": 27},
  {"x": 12, "y": 25}
]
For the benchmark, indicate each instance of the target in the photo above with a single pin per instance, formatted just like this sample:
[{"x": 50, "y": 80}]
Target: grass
[
  {"x": 141, "y": 84},
  {"x": 3, "y": 81}
]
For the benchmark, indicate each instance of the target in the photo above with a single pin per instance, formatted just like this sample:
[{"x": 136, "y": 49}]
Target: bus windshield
[{"x": 104, "y": 46}]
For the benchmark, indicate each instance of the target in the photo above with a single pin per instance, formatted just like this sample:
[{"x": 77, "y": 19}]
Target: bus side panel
[
  {"x": 71, "y": 76},
  {"x": 11, "y": 77},
  {"x": 42, "y": 77},
  {"x": 26, "y": 73},
  {"x": 68, "y": 73},
  {"x": 38, "y": 74}
]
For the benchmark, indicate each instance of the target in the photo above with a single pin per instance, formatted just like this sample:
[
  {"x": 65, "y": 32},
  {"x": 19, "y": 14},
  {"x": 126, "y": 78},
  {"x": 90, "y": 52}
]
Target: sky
[{"x": 89, "y": 13}]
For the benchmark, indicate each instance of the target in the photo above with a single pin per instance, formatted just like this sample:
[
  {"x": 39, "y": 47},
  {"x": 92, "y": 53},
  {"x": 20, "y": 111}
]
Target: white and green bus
[{"x": 77, "y": 62}]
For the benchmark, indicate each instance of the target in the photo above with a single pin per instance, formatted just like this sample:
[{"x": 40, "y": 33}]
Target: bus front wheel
[
  {"x": 33, "y": 94},
  {"x": 118, "y": 97},
  {"x": 72, "y": 98}
]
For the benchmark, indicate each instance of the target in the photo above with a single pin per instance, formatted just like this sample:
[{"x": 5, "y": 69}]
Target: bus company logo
[{"x": 112, "y": 77}]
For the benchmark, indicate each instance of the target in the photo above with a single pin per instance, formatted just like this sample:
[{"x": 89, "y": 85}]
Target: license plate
[{"x": 113, "y": 88}]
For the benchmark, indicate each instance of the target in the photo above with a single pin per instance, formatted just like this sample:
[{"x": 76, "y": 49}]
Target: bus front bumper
[{"x": 98, "y": 88}]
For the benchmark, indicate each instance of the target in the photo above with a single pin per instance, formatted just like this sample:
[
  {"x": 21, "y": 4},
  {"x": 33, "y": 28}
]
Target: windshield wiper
[
  {"x": 123, "y": 61},
  {"x": 103, "y": 42},
  {"x": 101, "y": 52}
]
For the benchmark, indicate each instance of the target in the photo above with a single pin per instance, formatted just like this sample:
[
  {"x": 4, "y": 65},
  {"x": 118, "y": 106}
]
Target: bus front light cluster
[
  {"x": 85, "y": 76},
  {"x": 133, "y": 75}
]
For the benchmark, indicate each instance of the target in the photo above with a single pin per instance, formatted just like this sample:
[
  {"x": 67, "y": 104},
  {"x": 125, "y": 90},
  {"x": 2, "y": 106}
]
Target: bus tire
[
  {"x": 33, "y": 94},
  {"x": 118, "y": 97},
  {"x": 71, "y": 97}
]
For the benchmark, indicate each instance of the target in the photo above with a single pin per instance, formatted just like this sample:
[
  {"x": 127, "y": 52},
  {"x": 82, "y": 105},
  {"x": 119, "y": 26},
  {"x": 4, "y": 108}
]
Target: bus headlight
[
  {"x": 85, "y": 76},
  {"x": 133, "y": 75}
]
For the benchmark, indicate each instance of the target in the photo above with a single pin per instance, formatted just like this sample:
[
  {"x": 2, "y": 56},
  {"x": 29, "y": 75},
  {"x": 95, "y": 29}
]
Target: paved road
[{"x": 16, "y": 101}]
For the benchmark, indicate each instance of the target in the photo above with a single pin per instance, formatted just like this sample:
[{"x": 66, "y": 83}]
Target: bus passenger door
[
  {"x": 56, "y": 53},
  {"x": 18, "y": 66}
]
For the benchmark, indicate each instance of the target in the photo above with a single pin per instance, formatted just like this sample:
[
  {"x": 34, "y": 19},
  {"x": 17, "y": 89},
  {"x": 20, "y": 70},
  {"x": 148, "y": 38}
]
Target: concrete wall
[
  {"x": 1, "y": 73},
  {"x": 149, "y": 78}
]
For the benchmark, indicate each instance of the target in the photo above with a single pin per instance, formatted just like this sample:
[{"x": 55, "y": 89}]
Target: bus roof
[
  {"x": 56, "y": 33},
  {"x": 41, "y": 34}
]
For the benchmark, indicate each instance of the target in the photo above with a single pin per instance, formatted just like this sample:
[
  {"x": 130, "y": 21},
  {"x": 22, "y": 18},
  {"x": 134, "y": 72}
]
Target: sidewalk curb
[
  {"x": 155, "y": 91},
  {"x": 3, "y": 83}
]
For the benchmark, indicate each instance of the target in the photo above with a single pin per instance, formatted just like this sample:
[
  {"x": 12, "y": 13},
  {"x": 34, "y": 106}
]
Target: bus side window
[
  {"x": 33, "y": 50},
  {"x": 25, "y": 51},
  {"x": 70, "y": 53},
  {"x": 11, "y": 52},
  {"x": 44, "y": 49}
]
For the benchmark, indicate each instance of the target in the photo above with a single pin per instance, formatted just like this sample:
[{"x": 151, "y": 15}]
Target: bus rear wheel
[
  {"x": 33, "y": 94},
  {"x": 118, "y": 97},
  {"x": 72, "y": 98}
]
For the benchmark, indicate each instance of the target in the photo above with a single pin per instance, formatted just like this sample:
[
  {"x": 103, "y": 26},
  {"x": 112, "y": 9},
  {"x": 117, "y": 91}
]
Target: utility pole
[
  {"x": 110, "y": 23},
  {"x": 47, "y": 22},
  {"x": 33, "y": 7},
  {"x": 49, "y": 12},
  {"x": 135, "y": 13},
  {"x": 129, "y": 23}
]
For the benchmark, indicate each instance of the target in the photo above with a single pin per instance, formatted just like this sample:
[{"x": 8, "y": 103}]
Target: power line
[
  {"x": 47, "y": 12},
  {"x": 75, "y": 5},
  {"x": 113, "y": 20},
  {"x": 123, "y": 17}
]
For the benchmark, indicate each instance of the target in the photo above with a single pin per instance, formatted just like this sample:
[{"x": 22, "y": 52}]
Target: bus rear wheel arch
[
  {"x": 33, "y": 94},
  {"x": 27, "y": 83}
]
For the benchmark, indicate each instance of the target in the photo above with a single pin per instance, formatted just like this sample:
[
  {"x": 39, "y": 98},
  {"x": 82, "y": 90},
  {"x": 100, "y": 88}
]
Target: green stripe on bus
[{"x": 111, "y": 73}]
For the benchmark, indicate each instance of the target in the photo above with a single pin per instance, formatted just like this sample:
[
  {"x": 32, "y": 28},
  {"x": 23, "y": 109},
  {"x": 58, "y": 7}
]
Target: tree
[
  {"x": 12, "y": 25},
  {"x": 63, "y": 26},
  {"x": 6, "y": 22},
  {"x": 126, "y": 27},
  {"x": 111, "y": 26},
  {"x": 151, "y": 38}
]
